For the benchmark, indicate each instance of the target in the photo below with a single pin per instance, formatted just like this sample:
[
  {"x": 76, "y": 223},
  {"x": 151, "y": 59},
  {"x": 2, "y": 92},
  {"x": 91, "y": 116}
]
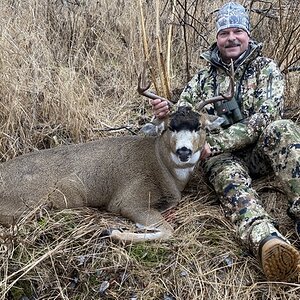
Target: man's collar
[{"x": 236, "y": 62}]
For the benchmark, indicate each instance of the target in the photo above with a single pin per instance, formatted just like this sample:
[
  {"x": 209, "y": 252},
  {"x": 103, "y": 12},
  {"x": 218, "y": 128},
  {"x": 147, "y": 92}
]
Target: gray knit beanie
[{"x": 233, "y": 15}]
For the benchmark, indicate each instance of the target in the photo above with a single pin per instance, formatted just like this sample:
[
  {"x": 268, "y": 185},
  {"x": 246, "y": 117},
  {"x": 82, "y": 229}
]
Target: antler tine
[
  {"x": 230, "y": 93},
  {"x": 228, "y": 96},
  {"x": 143, "y": 89}
]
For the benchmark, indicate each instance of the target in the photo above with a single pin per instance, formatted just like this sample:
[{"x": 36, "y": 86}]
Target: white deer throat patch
[{"x": 183, "y": 174}]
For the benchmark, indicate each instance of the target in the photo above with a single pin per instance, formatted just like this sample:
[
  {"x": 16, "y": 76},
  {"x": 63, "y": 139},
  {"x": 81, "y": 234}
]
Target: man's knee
[{"x": 279, "y": 134}]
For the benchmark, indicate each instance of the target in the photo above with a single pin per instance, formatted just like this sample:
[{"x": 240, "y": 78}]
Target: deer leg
[{"x": 153, "y": 223}]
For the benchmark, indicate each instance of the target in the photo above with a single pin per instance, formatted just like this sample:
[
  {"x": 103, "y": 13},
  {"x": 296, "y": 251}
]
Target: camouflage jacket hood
[{"x": 259, "y": 88}]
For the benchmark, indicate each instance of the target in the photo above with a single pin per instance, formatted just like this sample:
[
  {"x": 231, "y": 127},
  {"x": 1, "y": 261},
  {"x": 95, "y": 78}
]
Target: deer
[{"x": 138, "y": 176}]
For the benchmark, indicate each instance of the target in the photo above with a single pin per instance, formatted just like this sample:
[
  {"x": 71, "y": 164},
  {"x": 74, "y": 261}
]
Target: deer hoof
[
  {"x": 111, "y": 232},
  {"x": 105, "y": 233}
]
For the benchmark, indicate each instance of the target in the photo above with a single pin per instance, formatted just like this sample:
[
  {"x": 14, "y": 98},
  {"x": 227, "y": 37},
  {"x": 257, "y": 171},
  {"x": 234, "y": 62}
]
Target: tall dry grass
[{"x": 68, "y": 74}]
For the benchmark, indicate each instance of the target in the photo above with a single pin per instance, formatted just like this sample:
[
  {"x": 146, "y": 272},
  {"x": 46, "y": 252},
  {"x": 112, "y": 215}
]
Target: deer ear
[
  {"x": 154, "y": 128},
  {"x": 162, "y": 127},
  {"x": 212, "y": 122}
]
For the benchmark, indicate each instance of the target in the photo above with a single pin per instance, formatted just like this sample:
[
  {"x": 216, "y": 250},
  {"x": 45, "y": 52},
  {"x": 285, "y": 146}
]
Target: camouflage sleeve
[{"x": 267, "y": 106}]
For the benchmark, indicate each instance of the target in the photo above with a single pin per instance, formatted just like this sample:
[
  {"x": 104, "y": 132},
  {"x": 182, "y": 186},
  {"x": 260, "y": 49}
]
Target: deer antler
[
  {"x": 143, "y": 89},
  {"x": 228, "y": 96}
]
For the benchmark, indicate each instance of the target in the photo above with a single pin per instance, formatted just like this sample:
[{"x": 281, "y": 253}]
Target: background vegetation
[{"x": 68, "y": 74}]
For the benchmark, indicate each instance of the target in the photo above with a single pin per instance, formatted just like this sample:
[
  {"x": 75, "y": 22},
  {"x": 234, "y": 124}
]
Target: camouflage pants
[{"x": 277, "y": 149}]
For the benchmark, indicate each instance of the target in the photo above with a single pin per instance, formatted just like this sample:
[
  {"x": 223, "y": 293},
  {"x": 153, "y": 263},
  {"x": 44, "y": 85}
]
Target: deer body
[{"x": 137, "y": 177}]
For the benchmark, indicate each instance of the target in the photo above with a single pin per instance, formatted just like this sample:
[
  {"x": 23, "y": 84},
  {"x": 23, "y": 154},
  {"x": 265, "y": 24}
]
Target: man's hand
[
  {"x": 206, "y": 152},
  {"x": 160, "y": 108}
]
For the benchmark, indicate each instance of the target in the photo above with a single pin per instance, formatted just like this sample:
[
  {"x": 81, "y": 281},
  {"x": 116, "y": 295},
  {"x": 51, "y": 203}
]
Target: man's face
[{"x": 232, "y": 42}]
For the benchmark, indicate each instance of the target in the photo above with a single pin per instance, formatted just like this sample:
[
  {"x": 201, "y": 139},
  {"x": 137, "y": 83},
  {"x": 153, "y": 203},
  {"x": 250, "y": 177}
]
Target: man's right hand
[{"x": 160, "y": 108}]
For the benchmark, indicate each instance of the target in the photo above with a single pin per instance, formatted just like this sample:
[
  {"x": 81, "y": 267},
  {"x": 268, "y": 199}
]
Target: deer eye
[{"x": 197, "y": 127}]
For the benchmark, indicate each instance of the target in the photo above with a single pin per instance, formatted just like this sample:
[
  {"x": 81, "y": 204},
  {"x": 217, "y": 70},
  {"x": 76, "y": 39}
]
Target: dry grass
[{"x": 68, "y": 73}]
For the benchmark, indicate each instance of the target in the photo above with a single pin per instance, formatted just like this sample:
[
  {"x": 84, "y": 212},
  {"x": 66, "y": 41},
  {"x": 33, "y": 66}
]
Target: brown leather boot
[{"x": 280, "y": 261}]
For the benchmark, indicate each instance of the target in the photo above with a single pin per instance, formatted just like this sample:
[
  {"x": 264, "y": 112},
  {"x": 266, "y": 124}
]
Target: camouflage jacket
[{"x": 259, "y": 88}]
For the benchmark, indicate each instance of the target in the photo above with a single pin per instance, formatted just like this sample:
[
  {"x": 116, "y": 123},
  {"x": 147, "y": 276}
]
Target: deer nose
[{"x": 184, "y": 153}]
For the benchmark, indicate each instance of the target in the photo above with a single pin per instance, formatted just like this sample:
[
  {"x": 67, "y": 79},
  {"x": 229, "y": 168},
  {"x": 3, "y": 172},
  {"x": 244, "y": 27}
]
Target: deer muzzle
[{"x": 184, "y": 154}]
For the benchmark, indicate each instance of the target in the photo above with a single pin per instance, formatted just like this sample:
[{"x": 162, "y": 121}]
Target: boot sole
[{"x": 280, "y": 260}]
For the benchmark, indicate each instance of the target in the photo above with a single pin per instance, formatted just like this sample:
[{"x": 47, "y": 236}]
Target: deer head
[{"x": 186, "y": 135}]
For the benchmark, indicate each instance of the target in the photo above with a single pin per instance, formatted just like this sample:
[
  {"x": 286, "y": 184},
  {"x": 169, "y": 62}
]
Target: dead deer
[{"x": 137, "y": 177}]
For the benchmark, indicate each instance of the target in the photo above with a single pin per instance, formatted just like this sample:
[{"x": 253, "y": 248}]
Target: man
[{"x": 252, "y": 141}]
